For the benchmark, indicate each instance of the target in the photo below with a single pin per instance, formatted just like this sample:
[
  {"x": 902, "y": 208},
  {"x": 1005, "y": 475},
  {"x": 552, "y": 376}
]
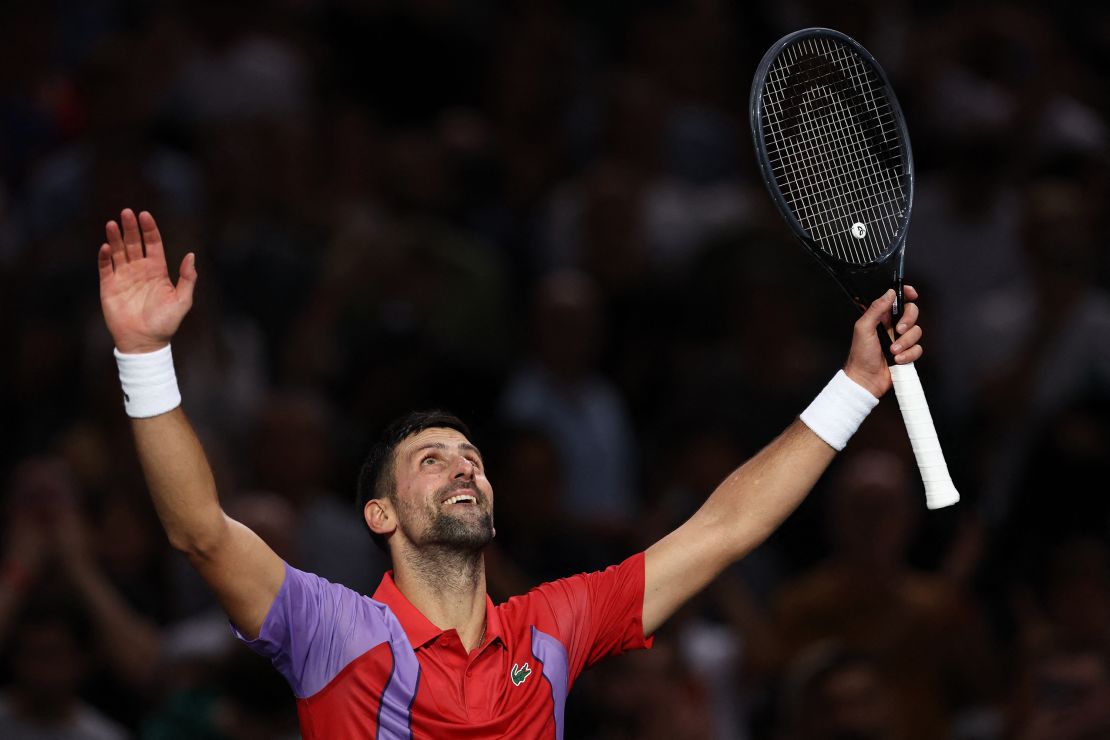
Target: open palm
[{"x": 142, "y": 307}]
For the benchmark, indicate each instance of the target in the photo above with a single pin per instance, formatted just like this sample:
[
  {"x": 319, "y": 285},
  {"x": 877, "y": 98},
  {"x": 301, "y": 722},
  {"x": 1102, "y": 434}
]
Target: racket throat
[
  {"x": 886, "y": 334},
  {"x": 899, "y": 298}
]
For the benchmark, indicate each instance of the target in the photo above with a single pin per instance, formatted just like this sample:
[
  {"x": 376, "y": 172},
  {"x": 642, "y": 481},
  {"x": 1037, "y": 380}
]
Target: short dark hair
[{"x": 375, "y": 479}]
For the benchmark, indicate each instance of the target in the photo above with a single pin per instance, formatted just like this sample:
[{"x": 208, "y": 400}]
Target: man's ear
[{"x": 380, "y": 516}]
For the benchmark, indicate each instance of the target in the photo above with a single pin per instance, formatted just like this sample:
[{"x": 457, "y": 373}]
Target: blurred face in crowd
[
  {"x": 872, "y": 516},
  {"x": 849, "y": 704},
  {"x": 442, "y": 497},
  {"x": 1079, "y": 592},
  {"x": 530, "y": 481},
  {"x": 1071, "y": 696},
  {"x": 291, "y": 447},
  {"x": 567, "y": 325},
  {"x": 48, "y": 664},
  {"x": 1060, "y": 230}
]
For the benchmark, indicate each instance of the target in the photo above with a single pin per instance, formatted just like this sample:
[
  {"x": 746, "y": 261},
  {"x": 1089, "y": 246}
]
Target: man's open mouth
[{"x": 462, "y": 498}]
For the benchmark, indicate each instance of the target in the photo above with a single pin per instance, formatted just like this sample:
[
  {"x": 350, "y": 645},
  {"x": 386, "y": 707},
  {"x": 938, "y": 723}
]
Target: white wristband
[
  {"x": 149, "y": 383},
  {"x": 838, "y": 410}
]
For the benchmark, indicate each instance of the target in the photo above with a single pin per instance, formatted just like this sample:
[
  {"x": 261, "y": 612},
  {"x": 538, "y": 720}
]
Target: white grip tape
[
  {"x": 939, "y": 490},
  {"x": 149, "y": 383}
]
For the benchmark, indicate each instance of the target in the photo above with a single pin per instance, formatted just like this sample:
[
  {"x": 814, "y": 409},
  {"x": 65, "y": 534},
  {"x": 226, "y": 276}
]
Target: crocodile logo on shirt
[{"x": 520, "y": 674}]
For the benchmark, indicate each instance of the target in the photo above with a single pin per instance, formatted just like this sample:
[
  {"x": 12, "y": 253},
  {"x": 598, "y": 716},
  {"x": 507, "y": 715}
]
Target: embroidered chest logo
[{"x": 520, "y": 674}]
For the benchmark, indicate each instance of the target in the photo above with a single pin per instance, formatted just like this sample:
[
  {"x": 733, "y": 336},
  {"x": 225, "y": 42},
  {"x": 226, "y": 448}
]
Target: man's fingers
[
  {"x": 908, "y": 318},
  {"x": 907, "y": 340},
  {"x": 115, "y": 240},
  {"x": 909, "y": 293},
  {"x": 132, "y": 241},
  {"x": 187, "y": 279},
  {"x": 913, "y": 354},
  {"x": 104, "y": 261},
  {"x": 152, "y": 239},
  {"x": 876, "y": 313}
]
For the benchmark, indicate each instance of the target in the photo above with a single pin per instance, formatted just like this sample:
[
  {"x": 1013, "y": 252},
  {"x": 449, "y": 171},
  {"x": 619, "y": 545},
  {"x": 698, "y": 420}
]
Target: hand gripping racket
[{"x": 834, "y": 152}]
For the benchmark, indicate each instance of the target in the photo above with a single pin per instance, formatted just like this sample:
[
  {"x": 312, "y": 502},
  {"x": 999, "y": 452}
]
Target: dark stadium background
[{"x": 545, "y": 217}]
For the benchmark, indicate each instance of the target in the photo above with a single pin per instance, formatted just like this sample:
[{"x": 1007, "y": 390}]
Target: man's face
[{"x": 442, "y": 495}]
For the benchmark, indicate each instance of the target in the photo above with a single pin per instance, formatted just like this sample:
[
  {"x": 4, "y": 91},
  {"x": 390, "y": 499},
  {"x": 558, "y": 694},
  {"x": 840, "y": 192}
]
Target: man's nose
[{"x": 464, "y": 468}]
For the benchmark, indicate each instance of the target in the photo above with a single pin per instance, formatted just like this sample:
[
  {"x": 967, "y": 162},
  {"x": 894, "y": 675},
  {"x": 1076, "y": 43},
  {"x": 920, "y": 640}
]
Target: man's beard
[
  {"x": 463, "y": 534},
  {"x": 449, "y": 531}
]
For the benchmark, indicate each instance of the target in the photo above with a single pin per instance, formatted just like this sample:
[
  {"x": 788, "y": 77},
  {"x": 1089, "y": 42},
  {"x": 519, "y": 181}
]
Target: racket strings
[
  {"x": 844, "y": 172},
  {"x": 854, "y": 185},
  {"x": 833, "y": 145},
  {"x": 837, "y": 179},
  {"x": 841, "y": 171},
  {"x": 849, "y": 182}
]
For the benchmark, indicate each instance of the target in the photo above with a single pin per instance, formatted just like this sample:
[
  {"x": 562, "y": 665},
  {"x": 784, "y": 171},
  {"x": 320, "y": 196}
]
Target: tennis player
[{"x": 430, "y": 656}]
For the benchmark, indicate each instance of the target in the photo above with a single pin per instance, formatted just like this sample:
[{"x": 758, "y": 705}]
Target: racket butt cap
[{"x": 941, "y": 496}]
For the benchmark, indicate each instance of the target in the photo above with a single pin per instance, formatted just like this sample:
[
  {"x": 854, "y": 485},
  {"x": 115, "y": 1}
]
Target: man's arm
[
  {"x": 758, "y": 496},
  {"x": 143, "y": 310}
]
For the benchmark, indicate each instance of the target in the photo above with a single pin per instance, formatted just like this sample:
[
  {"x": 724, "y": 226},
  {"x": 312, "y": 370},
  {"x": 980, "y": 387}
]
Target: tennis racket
[{"x": 834, "y": 152}]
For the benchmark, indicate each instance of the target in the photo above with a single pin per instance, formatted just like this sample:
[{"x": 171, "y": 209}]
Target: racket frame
[{"x": 851, "y": 277}]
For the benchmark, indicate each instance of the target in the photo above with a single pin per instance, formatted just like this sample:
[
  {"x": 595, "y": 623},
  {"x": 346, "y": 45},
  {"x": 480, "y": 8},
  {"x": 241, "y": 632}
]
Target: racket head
[{"x": 834, "y": 152}]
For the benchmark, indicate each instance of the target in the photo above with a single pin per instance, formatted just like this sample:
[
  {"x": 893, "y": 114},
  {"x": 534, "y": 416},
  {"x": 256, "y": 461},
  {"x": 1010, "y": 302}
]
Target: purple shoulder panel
[{"x": 316, "y": 628}]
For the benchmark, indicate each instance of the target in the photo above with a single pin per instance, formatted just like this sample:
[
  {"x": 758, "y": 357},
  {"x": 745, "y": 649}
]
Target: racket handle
[{"x": 939, "y": 490}]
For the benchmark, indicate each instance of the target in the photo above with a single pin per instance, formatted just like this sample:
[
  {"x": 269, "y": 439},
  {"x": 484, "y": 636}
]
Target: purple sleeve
[{"x": 315, "y": 628}]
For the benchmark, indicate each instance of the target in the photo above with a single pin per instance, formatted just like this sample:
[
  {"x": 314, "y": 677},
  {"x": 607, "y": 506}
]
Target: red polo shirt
[{"x": 376, "y": 667}]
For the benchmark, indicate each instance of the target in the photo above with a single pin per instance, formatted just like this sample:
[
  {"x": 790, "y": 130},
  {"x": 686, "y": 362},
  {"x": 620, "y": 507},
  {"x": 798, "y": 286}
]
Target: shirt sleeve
[
  {"x": 314, "y": 629},
  {"x": 599, "y": 614}
]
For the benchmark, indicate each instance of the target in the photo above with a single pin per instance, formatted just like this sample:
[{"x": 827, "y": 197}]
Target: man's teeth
[{"x": 461, "y": 498}]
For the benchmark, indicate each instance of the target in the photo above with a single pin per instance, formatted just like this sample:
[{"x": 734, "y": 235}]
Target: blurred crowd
[{"x": 545, "y": 217}]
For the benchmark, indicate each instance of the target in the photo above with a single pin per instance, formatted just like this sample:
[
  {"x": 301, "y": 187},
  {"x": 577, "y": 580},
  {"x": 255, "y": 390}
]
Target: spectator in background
[
  {"x": 1068, "y": 453},
  {"x": 561, "y": 392},
  {"x": 50, "y": 647},
  {"x": 650, "y": 696},
  {"x": 396, "y": 302},
  {"x": 536, "y": 523},
  {"x": 1038, "y": 348},
  {"x": 1069, "y": 601},
  {"x": 292, "y": 454},
  {"x": 834, "y": 693},
  {"x": 1064, "y": 695},
  {"x": 119, "y": 103},
  {"x": 926, "y": 634},
  {"x": 67, "y": 614},
  {"x": 102, "y": 563},
  {"x": 1001, "y": 94}
]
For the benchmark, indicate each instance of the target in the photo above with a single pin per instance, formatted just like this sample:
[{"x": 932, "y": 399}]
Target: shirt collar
[{"x": 418, "y": 628}]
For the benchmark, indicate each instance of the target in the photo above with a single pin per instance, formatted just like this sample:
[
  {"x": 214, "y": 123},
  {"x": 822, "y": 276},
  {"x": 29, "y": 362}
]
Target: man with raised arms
[{"x": 429, "y": 655}]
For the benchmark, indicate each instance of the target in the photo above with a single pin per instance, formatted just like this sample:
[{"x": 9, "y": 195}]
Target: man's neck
[{"x": 448, "y": 587}]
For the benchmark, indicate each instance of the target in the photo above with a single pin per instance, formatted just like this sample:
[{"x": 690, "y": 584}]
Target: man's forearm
[
  {"x": 758, "y": 496},
  {"x": 180, "y": 480},
  {"x": 740, "y": 514}
]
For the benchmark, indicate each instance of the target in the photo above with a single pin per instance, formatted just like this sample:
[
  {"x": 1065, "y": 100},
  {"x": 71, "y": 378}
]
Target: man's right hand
[{"x": 142, "y": 307}]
